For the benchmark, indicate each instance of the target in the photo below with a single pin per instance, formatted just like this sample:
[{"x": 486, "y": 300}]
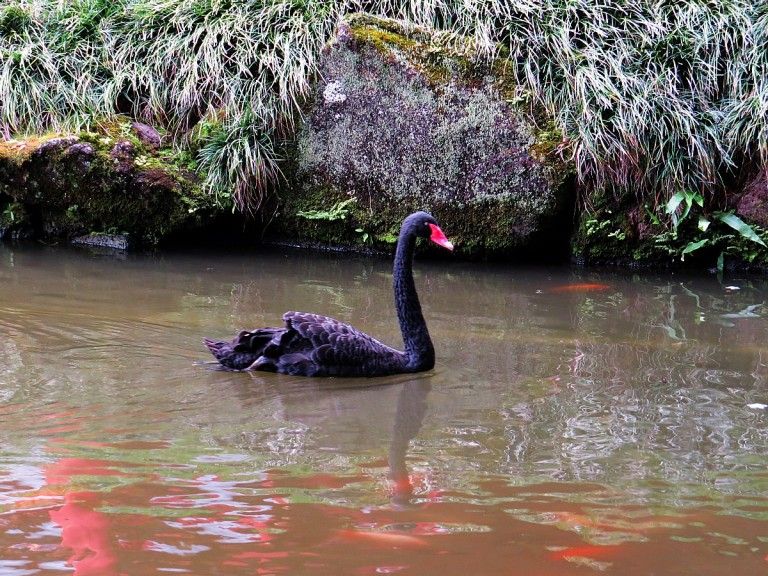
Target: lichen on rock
[{"x": 400, "y": 123}]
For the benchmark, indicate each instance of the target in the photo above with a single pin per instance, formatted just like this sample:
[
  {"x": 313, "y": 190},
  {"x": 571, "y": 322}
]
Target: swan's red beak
[{"x": 439, "y": 238}]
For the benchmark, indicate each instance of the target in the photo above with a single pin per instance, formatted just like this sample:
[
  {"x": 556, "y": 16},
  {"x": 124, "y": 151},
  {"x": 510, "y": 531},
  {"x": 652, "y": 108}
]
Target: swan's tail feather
[
  {"x": 245, "y": 349},
  {"x": 214, "y": 346},
  {"x": 225, "y": 354}
]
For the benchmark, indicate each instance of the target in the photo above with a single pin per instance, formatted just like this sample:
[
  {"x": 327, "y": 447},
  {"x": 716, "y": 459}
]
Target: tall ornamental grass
[
  {"x": 655, "y": 96},
  {"x": 651, "y": 96},
  {"x": 52, "y": 66}
]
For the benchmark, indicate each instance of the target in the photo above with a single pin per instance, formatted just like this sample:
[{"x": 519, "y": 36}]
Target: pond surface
[{"x": 576, "y": 423}]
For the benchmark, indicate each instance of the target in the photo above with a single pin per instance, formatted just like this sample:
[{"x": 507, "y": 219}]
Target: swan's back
[
  {"x": 333, "y": 348},
  {"x": 310, "y": 345}
]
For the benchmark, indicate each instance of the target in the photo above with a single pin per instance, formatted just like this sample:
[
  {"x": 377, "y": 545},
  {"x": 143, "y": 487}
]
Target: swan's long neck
[{"x": 418, "y": 346}]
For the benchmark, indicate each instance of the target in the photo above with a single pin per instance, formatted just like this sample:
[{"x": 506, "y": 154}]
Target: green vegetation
[
  {"x": 11, "y": 215},
  {"x": 651, "y": 98},
  {"x": 682, "y": 230},
  {"x": 338, "y": 211},
  {"x": 720, "y": 237}
]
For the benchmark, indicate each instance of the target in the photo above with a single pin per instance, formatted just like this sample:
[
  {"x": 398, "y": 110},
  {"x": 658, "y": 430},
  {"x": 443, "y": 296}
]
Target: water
[{"x": 598, "y": 429}]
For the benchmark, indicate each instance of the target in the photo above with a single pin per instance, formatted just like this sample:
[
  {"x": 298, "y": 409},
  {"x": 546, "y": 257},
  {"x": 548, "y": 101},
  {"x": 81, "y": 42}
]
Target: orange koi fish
[
  {"x": 384, "y": 539},
  {"x": 588, "y": 551},
  {"x": 567, "y": 288}
]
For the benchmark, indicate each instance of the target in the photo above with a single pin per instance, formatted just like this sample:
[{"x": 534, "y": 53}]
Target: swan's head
[{"x": 425, "y": 226}]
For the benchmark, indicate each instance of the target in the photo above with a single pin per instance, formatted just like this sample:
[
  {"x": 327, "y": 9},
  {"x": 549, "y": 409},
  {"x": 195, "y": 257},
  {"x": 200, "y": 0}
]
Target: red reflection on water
[
  {"x": 60, "y": 422},
  {"x": 576, "y": 521},
  {"x": 61, "y": 471},
  {"x": 383, "y": 539},
  {"x": 277, "y": 479},
  {"x": 56, "y": 415},
  {"x": 79, "y": 443},
  {"x": 211, "y": 524},
  {"x": 403, "y": 487},
  {"x": 87, "y": 532},
  {"x": 84, "y": 529},
  {"x": 122, "y": 445},
  {"x": 60, "y": 429},
  {"x": 242, "y": 559},
  {"x": 91, "y": 535}
]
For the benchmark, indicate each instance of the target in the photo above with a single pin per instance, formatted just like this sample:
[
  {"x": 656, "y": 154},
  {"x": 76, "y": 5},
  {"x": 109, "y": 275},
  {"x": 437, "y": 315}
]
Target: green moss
[
  {"x": 17, "y": 151},
  {"x": 109, "y": 131},
  {"x": 396, "y": 27},
  {"x": 548, "y": 140},
  {"x": 382, "y": 40},
  {"x": 436, "y": 60}
]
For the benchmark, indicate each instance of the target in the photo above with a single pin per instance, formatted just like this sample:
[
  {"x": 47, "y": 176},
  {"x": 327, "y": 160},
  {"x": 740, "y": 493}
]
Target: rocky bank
[{"x": 400, "y": 119}]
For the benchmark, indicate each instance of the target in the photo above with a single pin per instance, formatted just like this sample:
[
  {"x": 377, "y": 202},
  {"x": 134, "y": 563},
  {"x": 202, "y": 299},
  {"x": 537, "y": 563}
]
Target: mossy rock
[
  {"x": 106, "y": 181},
  {"x": 403, "y": 120}
]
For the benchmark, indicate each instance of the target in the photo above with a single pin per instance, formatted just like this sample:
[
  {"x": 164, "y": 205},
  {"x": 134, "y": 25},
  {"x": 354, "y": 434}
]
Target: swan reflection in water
[
  {"x": 409, "y": 416},
  {"x": 349, "y": 413}
]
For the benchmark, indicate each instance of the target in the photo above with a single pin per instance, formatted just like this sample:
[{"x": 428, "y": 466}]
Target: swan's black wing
[
  {"x": 316, "y": 345},
  {"x": 309, "y": 345}
]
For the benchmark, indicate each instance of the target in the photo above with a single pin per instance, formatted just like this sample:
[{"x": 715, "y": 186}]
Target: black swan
[{"x": 315, "y": 345}]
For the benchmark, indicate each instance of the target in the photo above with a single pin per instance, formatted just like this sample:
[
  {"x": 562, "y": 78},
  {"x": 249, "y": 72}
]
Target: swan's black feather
[{"x": 338, "y": 349}]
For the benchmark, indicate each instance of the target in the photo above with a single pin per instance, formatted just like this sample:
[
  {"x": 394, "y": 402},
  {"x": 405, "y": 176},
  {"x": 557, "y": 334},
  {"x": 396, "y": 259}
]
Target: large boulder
[{"x": 405, "y": 120}]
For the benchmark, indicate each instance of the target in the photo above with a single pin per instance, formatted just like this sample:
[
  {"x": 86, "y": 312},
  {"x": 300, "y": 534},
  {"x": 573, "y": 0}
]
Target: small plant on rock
[{"x": 338, "y": 211}]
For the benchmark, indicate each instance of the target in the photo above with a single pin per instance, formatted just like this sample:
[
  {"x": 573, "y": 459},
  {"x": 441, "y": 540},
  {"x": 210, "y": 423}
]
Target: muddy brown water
[{"x": 576, "y": 423}]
